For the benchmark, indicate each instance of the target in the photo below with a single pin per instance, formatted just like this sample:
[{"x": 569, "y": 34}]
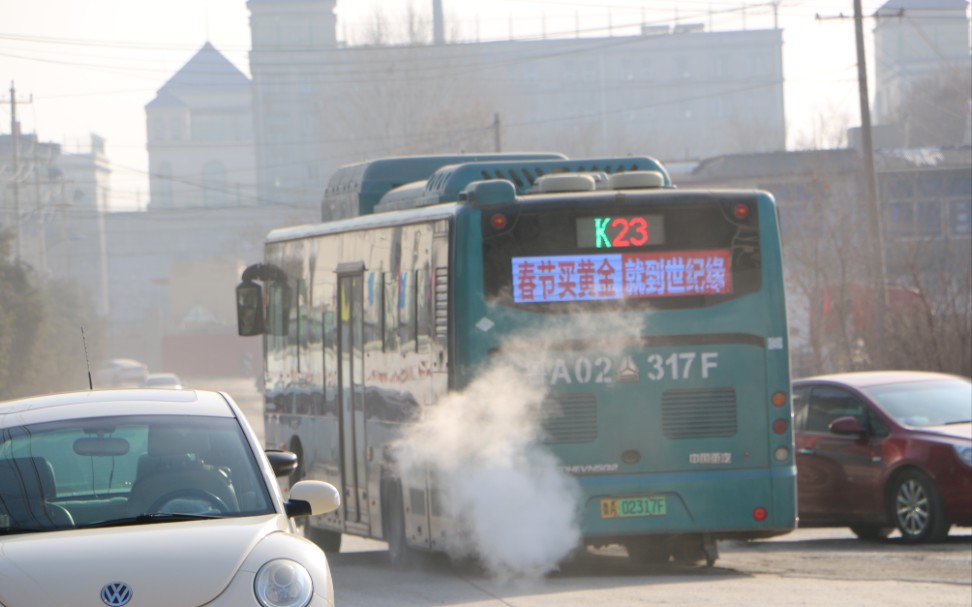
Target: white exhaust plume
[{"x": 483, "y": 448}]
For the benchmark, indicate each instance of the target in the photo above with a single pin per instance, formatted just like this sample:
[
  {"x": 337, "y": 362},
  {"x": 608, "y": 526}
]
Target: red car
[{"x": 880, "y": 450}]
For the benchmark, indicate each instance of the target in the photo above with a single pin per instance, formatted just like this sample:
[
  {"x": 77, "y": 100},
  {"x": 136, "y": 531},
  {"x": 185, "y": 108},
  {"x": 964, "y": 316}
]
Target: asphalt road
[{"x": 806, "y": 567}]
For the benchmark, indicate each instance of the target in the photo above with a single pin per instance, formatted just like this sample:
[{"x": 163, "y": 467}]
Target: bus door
[{"x": 351, "y": 401}]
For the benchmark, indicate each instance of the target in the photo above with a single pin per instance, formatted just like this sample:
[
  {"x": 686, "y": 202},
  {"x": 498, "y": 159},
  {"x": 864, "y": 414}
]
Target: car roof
[
  {"x": 99, "y": 403},
  {"x": 864, "y": 379}
]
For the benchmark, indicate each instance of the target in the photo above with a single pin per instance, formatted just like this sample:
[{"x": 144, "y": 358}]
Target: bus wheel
[
  {"x": 399, "y": 553},
  {"x": 711, "y": 550},
  {"x": 694, "y": 549},
  {"x": 329, "y": 541},
  {"x": 650, "y": 550},
  {"x": 917, "y": 508}
]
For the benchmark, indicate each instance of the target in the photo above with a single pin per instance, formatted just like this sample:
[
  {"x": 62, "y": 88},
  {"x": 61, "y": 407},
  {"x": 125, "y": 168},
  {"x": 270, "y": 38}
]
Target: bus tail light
[
  {"x": 759, "y": 514},
  {"x": 781, "y": 454},
  {"x": 780, "y": 426},
  {"x": 740, "y": 210},
  {"x": 778, "y": 399},
  {"x": 497, "y": 221}
]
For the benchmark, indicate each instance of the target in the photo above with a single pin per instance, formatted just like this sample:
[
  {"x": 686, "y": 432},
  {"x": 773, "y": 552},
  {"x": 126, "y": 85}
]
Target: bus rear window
[{"x": 661, "y": 254}]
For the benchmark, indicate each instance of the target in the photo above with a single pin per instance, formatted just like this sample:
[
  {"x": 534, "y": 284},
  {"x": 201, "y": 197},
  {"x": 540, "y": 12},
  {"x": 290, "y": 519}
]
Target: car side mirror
[
  {"x": 847, "y": 425},
  {"x": 308, "y": 498},
  {"x": 283, "y": 462}
]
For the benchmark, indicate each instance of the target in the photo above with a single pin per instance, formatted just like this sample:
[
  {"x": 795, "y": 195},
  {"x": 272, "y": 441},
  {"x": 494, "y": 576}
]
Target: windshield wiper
[
  {"x": 157, "y": 517},
  {"x": 961, "y": 421}
]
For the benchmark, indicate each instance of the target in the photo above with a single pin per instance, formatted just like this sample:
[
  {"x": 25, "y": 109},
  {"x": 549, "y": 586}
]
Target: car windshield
[
  {"x": 127, "y": 470},
  {"x": 926, "y": 403}
]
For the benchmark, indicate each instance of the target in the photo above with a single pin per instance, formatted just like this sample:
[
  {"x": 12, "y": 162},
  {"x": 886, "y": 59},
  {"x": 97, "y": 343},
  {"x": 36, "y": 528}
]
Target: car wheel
[
  {"x": 916, "y": 509},
  {"x": 871, "y": 532},
  {"x": 399, "y": 552}
]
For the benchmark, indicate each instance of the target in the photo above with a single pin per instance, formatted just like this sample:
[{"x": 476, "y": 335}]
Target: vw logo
[{"x": 116, "y": 594}]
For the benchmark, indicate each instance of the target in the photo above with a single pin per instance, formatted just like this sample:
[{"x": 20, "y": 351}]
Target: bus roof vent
[
  {"x": 564, "y": 182},
  {"x": 632, "y": 180}
]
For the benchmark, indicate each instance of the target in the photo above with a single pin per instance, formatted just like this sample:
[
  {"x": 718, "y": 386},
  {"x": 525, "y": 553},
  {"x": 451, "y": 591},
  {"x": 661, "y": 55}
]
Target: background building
[
  {"x": 200, "y": 137},
  {"x": 674, "y": 92},
  {"x": 923, "y": 71},
  {"x": 231, "y": 159}
]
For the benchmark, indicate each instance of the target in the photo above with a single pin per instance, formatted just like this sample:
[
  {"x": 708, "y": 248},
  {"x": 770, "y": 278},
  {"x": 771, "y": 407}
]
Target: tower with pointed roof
[{"x": 200, "y": 137}]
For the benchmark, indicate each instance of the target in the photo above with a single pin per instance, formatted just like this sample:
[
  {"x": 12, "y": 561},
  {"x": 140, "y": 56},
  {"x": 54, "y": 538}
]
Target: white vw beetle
[{"x": 151, "y": 498}]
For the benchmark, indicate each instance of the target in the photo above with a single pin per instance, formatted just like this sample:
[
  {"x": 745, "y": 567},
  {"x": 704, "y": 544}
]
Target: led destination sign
[
  {"x": 620, "y": 232},
  {"x": 568, "y": 278}
]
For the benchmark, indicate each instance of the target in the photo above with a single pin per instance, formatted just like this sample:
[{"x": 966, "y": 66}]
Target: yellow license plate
[{"x": 630, "y": 507}]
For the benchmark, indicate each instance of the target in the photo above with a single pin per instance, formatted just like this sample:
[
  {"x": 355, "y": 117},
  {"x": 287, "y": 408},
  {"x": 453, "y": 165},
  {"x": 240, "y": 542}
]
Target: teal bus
[{"x": 652, "y": 317}]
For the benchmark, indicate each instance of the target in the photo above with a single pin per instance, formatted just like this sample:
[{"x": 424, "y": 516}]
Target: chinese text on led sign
[{"x": 565, "y": 278}]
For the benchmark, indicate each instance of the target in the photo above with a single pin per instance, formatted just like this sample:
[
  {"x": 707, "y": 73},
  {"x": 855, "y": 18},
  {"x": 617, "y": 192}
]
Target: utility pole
[
  {"x": 497, "y": 147},
  {"x": 879, "y": 273},
  {"x": 14, "y": 180},
  {"x": 15, "y": 153}
]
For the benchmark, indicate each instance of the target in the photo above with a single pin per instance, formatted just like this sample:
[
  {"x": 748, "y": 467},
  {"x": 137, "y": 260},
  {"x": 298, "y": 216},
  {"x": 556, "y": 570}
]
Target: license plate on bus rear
[{"x": 626, "y": 507}]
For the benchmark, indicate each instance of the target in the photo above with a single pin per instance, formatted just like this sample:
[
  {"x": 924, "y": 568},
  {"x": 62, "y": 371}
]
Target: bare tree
[
  {"x": 827, "y": 129},
  {"x": 824, "y": 260},
  {"x": 413, "y": 28},
  {"x": 930, "y": 324},
  {"x": 935, "y": 111}
]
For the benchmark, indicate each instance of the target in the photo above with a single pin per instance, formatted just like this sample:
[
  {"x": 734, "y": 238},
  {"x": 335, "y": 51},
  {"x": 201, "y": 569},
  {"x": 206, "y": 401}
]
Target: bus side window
[
  {"x": 373, "y": 311},
  {"x": 423, "y": 294},
  {"x": 406, "y": 309},
  {"x": 391, "y": 311},
  {"x": 279, "y": 296}
]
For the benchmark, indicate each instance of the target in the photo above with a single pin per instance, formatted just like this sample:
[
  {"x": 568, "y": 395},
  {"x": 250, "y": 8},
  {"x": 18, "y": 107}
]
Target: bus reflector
[
  {"x": 779, "y": 399},
  {"x": 759, "y": 514},
  {"x": 780, "y": 426},
  {"x": 741, "y": 210},
  {"x": 498, "y": 221}
]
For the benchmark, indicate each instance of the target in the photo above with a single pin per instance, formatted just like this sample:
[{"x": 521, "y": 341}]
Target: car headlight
[
  {"x": 964, "y": 453},
  {"x": 283, "y": 583}
]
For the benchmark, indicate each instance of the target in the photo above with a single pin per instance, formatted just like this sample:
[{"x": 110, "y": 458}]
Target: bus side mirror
[{"x": 249, "y": 309}]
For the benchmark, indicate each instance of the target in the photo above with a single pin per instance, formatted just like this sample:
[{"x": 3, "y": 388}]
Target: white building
[
  {"x": 917, "y": 40},
  {"x": 200, "y": 137}
]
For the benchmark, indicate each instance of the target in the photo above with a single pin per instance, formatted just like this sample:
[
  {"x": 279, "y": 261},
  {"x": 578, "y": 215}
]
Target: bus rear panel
[{"x": 656, "y": 323}]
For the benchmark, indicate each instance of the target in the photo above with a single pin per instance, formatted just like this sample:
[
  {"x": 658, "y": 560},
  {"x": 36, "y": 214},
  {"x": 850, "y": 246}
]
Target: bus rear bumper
[{"x": 740, "y": 504}]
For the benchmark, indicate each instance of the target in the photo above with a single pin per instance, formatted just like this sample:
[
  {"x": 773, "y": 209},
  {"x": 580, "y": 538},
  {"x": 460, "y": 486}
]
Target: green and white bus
[{"x": 653, "y": 318}]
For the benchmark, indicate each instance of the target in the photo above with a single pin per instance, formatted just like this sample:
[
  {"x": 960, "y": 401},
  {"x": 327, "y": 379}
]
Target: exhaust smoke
[{"x": 517, "y": 508}]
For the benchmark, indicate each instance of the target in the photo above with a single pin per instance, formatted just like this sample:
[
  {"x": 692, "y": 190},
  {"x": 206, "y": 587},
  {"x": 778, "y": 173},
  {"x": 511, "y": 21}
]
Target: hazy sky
[{"x": 82, "y": 67}]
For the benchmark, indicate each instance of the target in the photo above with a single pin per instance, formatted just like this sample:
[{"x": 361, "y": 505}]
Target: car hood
[
  {"x": 951, "y": 431},
  {"x": 165, "y": 564}
]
